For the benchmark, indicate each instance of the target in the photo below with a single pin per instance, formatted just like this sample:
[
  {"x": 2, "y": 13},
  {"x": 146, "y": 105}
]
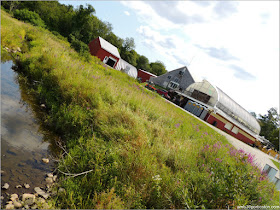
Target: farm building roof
[
  {"x": 215, "y": 97},
  {"x": 149, "y": 73},
  {"x": 109, "y": 47}
]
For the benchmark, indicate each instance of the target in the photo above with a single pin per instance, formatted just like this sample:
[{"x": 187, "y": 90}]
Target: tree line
[
  {"x": 79, "y": 26},
  {"x": 269, "y": 126}
]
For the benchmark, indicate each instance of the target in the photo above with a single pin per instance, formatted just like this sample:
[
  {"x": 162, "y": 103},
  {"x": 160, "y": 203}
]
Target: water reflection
[{"x": 24, "y": 140}]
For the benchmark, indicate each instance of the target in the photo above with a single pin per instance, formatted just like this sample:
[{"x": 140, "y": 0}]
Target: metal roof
[
  {"x": 220, "y": 100},
  {"x": 109, "y": 47},
  {"x": 147, "y": 72},
  {"x": 127, "y": 68},
  {"x": 237, "y": 112}
]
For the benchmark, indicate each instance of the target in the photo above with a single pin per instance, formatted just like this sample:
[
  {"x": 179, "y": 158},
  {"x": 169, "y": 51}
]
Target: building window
[
  {"x": 173, "y": 85},
  {"x": 235, "y": 130},
  {"x": 169, "y": 77},
  {"x": 204, "y": 98},
  {"x": 228, "y": 126},
  {"x": 176, "y": 80},
  {"x": 109, "y": 61}
]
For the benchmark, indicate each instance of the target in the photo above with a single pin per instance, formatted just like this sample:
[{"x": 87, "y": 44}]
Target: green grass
[
  {"x": 140, "y": 151},
  {"x": 277, "y": 164}
]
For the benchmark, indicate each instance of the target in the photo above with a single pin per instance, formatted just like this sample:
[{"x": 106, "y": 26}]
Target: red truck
[{"x": 163, "y": 93}]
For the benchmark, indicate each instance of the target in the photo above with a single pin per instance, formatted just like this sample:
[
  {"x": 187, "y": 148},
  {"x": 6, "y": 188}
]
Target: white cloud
[
  {"x": 233, "y": 44},
  {"x": 127, "y": 13}
]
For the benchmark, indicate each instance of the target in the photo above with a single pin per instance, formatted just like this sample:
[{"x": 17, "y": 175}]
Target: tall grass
[{"x": 138, "y": 150}]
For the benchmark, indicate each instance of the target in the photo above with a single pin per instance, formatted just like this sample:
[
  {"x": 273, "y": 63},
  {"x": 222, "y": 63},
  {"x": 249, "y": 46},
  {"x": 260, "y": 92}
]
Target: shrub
[
  {"x": 79, "y": 46},
  {"x": 28, "y": 16},
  {"x": 58, "y": 35},
  {"x": 225, "y": 177}
]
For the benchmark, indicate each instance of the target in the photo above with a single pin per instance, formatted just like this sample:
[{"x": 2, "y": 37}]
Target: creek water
[{"x": 24, "y": 140}]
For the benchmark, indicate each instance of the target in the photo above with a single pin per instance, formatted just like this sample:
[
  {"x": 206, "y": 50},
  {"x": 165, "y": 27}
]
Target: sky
[{"x": 232, "y": 44}]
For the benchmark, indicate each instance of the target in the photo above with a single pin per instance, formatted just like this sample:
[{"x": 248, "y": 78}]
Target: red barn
[
  {"x": 144, "y": 75},
  {"x": 105, "y": 51}
]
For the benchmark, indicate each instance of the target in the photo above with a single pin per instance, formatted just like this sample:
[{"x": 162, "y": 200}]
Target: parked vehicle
[
  {"x": 150, "y": 87},
  {"x": 163, "y": 93}
]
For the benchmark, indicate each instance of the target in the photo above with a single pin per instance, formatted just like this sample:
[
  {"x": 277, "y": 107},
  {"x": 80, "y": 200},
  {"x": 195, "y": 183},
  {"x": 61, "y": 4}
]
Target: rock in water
[
  {"x": 41, "y": 192},
  {"x": 10, "y": 206},
  {"x": 17, "y": 204},
  {"x": 34, "y": 206},
  {"x": 14, "y": 197},
  {"x": 5, "y": 186},
  {"x": 45, "y": 160},
  {"x": 50, "y": 175},
  {"x": 26, "y": 186},
  {"x": 19, "y": 186},
  {"x": 54, "y": 178},
  {"x": 28, "y": 199},
  {"x": 49, "y": 180},
  {"x": 41, "y": 200}
]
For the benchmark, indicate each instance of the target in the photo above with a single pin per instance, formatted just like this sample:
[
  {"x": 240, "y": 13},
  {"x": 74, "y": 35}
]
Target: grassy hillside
[{"x": 126, "y": 146}]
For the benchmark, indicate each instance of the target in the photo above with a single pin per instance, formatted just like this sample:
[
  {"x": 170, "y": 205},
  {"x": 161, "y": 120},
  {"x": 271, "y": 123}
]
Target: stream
[{"x": 24, "y": 140}]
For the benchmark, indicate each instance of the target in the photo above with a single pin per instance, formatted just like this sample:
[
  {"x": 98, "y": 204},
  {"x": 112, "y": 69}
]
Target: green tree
[
  {"x": 130, "y": 56},
  {"x": 114, "y": 40},
  {"x": 143, "y": 63},
  {"x": 158, "y": 68},
  {"x": 83, "y": 23},
  {"x": 127, "y": 51},
  {"x": 29, "y": 16},
  {"x": 254, "y": 114},
  {"x": 10, "y": 5},
  {"x": 58, "y": 17},
  {"x": 128, "y": 44},
  {"x": 270, "y": 126}
]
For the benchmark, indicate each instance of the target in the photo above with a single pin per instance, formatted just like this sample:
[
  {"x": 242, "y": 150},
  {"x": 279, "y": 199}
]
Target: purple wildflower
[
  {"x": 177, "y": 125},
  {"x": 88, "y": 108},
  {"x": 205, "y": 133},
  {"x": 262, "y": 178},
  {"x": 206, "y": 147},
  {"x": 241, "y": 151},
  {"x": 250, "y": 159},
  {"x": 219, "y": 160},
  {"x": 217, "y": 145},
  {"x": 232, "y": 151}
]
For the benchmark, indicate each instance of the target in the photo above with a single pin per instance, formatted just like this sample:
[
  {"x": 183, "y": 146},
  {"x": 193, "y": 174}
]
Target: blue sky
[{"x": 233, "y": 44}]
